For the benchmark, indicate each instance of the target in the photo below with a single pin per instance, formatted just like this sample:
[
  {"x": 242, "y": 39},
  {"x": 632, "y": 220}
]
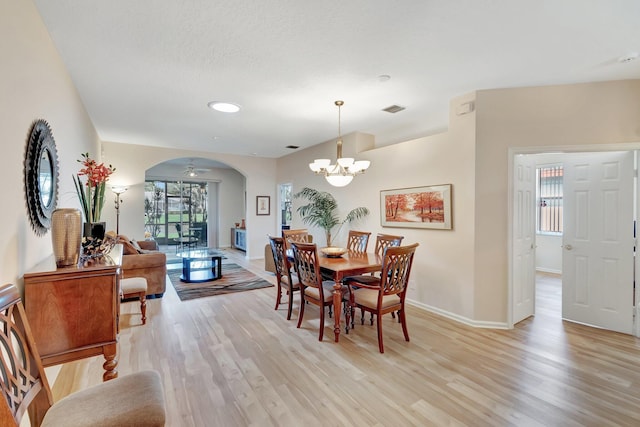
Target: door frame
[{"x": 564, "y": 149}]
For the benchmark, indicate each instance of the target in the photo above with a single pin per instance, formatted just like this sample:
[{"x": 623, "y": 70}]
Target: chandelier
[{"x": 342, "y": 172}]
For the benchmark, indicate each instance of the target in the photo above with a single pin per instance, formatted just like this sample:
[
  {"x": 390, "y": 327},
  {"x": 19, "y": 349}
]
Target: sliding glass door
[{"x": 175, "y": 209}]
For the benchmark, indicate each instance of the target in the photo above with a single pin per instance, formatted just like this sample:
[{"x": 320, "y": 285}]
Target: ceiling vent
[
  {"x": 393, "y": 109},
  {"x": 293, "y": 147}
]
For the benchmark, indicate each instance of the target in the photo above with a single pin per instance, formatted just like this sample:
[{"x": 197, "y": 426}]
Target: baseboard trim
[{"x": 457, "y": 317}]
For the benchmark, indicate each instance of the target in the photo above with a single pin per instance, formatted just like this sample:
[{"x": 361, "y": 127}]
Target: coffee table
[{"x": 201, "y": 265}]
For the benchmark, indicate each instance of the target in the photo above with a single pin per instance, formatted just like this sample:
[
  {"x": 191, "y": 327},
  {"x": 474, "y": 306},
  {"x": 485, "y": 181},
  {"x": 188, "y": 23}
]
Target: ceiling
[{"x": 146, "y": 69}]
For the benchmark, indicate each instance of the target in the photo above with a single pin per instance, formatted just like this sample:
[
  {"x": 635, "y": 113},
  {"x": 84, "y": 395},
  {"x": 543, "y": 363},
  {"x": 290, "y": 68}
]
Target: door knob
[{"x": 568, "y": 247}]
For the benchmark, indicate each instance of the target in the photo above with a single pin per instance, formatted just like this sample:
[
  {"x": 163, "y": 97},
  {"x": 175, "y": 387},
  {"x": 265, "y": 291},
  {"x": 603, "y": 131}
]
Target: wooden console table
[{"x": 74, "y": 311}]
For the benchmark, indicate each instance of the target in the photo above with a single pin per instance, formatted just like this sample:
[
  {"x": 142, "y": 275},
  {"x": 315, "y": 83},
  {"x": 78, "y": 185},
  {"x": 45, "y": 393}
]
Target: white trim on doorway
[{"x": 512, "y": 153}]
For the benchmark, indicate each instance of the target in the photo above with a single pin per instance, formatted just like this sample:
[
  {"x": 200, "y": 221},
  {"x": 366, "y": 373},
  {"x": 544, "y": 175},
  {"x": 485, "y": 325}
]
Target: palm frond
[{"x": 322, "y": 211}]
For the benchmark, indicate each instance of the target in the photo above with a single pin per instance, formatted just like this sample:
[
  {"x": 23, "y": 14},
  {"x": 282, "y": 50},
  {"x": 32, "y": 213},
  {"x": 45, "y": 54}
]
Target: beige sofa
[{"x": 143, "y": 259}]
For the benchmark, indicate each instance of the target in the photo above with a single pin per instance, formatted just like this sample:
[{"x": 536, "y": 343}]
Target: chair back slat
[
  {"x": 305, "y": 256},
  {"x": 300, "y": 235},
  {"x": 396, "y": 267},
  {"x": 22, "y": 377},
  {"x": 384, "y": 241},
  {"x": 358, "y": 241},
  {"x": 279, "y": 256}
]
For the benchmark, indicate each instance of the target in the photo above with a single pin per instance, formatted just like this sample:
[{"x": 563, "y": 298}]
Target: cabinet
[
  {"x": 240, "y": 239},
  {"x": 74, "y": 311}
]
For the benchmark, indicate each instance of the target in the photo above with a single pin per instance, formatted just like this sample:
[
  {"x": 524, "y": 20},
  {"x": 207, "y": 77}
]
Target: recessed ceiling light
[
  {"x": 225, "y": 107},
  {"x": 384, "y": 78}
]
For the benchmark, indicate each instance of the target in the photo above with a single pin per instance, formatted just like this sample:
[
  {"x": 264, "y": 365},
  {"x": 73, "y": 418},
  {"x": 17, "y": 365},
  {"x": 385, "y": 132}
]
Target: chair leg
[
  {"x": 290, "y": 305},
  {"x": 278, "y": 296},
  {"x": 403, "y": 321},
  {"x": 302, "y": 304},
  {"x": 321, "y": 334},
  {"x": 143, "y": 307},
  {"x": 379, "y": 324}
]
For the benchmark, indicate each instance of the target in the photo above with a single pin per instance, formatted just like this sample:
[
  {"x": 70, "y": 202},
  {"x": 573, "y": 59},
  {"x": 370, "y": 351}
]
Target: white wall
[
  {"x": 442, "y": 275},
  {"x": 34, "y": 84},
  {"x": 253, "y": 175},
  {"x": 548, "y": 117},
  {"x": 549, "y": 253}
]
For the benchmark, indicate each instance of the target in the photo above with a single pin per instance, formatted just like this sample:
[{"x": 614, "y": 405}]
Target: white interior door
[
  {"x": 523, "y": 280},
  {"x": 598, "y": 240}
]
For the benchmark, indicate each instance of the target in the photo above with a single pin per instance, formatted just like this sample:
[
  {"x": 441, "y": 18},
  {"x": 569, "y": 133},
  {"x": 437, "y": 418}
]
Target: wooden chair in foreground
[
  {"x": 389, "y": 293},
  {"x": 131, "y": 400},
  {"x": 312, "y": 288},
  {"x": 283, "y": 273},
  {"x": 358, "y": 241}
]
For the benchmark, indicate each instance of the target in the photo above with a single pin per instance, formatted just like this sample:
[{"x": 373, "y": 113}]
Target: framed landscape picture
[
  {"x": 263, "y": 205},
  {"x": 417, "y": 207}
]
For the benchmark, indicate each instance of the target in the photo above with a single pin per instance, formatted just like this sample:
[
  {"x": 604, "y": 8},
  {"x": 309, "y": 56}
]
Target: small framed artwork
[
  {"x": 263, "y": 205},
  {"x": 417, "y": 207}
]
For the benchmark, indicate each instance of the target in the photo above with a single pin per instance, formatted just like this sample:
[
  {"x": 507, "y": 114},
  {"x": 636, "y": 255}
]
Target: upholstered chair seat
[{"x": 111, "y": 404}]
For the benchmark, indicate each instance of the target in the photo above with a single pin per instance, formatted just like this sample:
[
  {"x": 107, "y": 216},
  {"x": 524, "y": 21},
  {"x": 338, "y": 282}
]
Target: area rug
[{"x": 234, "y": 279}]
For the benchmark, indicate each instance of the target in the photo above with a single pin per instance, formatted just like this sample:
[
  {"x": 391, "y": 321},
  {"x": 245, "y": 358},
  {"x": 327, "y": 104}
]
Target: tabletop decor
[
  {"x": 333, "y": 251},
  {"x": 322, "y": 211},
  {"x": 66, "y": 236},
  {"x": 91, "y": 191},
  {"x": 94, "y": 247},
  {"x": 417, "y": 207}
]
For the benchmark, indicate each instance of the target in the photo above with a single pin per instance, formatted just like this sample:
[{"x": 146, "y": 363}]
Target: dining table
[{"x": 349, "y": 264}]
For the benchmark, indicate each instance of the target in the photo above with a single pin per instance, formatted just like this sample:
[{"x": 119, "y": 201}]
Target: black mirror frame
[{"x": 40, "y": 140}]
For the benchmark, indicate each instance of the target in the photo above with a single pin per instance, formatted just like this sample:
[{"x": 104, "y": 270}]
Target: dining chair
[
  {"x": 388, "y": 294},
  {"x": 130, "y": 400},
  {"x": 283, "y": 273},
  {"x": 312, "y": 288},
  {"x": 383, "y": 241},
  {"x": 300, "y": 235},
  {"x": 358, "y": 241}
]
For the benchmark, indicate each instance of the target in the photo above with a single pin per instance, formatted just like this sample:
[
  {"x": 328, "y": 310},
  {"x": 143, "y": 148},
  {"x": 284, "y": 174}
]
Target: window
[
  {"x": 168, "y": 203},
  {"x": 550, "y": 199}
]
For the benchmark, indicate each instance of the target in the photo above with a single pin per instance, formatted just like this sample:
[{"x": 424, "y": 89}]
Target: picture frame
[
  {"x": 417, "y": 207},
  {"x": 263, "y": 205}
]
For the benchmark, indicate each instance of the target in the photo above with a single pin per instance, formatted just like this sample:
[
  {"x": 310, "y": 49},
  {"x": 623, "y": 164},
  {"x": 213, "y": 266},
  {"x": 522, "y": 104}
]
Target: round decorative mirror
[{"x": 41, "y": 176}]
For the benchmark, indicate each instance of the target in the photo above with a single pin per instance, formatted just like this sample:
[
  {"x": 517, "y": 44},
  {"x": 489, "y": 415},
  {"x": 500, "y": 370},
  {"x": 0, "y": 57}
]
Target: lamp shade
[{"x": 339, "y": 180}]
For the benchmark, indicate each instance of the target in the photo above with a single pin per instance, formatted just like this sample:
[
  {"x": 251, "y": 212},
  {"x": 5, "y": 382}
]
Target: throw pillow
[
  {"x": 137, "y": 246},
  {"x": 127, "y": 247}
]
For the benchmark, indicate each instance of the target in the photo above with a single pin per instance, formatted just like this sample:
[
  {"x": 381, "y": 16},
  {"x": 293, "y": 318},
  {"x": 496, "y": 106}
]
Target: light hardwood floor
[{"x": 233, "y": 360}]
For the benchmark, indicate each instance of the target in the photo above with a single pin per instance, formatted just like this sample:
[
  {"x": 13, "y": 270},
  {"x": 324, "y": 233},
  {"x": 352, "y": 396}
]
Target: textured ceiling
[{"x": 146, "y": 69}]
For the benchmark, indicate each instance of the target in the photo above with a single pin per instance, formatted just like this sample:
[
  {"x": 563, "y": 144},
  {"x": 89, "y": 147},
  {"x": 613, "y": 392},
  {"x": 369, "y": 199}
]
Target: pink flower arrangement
[{"x": 91, "y": 192}]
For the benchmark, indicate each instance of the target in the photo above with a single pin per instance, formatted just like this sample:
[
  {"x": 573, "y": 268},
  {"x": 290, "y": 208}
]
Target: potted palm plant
[{"x": 322, "y": 211}]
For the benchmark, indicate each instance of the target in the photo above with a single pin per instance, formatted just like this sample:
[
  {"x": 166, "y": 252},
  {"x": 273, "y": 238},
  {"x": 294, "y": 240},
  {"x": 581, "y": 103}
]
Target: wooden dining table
[{"x": 349, "y": 264}]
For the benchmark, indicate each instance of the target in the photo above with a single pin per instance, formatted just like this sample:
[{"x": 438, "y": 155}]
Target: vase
[
  {"x": 66, "y": 236},
  {"x": 94, "y": 229}
]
